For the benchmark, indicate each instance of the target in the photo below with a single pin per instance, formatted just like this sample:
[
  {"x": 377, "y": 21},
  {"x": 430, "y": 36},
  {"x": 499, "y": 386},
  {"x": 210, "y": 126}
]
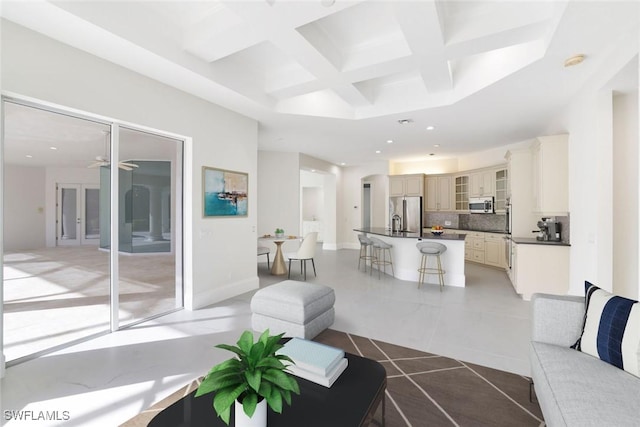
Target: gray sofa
[{"x": 574, "y": 388}]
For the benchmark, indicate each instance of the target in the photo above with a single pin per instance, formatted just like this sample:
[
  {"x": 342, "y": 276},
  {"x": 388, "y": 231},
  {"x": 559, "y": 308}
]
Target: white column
[{"x": 155, "y": 213}]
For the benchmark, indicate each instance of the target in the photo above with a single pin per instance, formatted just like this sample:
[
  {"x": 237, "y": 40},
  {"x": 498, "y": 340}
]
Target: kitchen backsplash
[
  {"x": 438, "y": 218},
  {"x": 479, "y": 222}
]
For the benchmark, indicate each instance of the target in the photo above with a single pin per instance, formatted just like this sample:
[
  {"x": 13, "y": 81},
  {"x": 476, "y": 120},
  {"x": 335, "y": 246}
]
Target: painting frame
[{"x": 225, "y": 193}]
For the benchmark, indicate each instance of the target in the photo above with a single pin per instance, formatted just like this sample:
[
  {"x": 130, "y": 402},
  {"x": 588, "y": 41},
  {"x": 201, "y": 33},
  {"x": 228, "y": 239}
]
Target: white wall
[
  {"x": 476, "y": 160},
  {"x": 428, "y": 166},
  {"x": 219, "y": 253},
  {"x": 625, "y": 191},
  {"x": 278, "y": 194},
  {"x": 24, "y": 199},
  {"x": 590, "y": 128}
]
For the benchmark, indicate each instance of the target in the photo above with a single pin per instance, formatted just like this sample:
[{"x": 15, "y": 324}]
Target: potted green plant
[
  {"x": 257, "y": 375},
  {"x": 279, "y": 232}
]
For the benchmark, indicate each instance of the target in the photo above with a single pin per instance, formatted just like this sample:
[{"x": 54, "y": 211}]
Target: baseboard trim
[{"x": 351, "y": 246}]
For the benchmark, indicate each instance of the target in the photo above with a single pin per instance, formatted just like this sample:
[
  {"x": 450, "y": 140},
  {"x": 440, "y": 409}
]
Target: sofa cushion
[
  {"x": 577, "y": 389},
  {"x": 611, "y": 329}
]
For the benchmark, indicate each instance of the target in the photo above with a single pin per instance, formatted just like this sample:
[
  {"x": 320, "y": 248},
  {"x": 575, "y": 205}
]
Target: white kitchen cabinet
[
  {"x": 485, "y": 248},
  {"x": 396, "y": 185},
  {"x": 406, "y": 185},
  {"x": 539, "y": 268},
  {"x": 551, "y": 175},
  {"x": 502, "y": 184},
  {"x": 461, "y": 193},
  {"x": 482, "y": 183},
  {"x": 494, "y": 248},
  {"x": 474, "y": 246},
  {"x": 438, "y": 193}
]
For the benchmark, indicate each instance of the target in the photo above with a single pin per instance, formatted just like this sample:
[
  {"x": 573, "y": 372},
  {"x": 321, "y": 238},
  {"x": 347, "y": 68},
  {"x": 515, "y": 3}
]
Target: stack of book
[{"x": 315, "y": 362}]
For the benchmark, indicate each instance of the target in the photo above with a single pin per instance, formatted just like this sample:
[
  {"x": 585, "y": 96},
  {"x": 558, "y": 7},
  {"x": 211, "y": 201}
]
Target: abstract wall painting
[{"x": 225, "y": 193}]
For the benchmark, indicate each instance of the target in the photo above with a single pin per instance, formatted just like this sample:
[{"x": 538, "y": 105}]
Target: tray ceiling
[{"x": 347, "y": 72}]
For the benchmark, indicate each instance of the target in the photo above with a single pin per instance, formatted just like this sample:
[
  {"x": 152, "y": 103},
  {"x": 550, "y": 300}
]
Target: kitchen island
[{"x": 406, "y": 257}]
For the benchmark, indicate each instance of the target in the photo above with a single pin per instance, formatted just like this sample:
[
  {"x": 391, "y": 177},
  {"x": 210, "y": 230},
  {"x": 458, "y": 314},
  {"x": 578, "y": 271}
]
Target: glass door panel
[
  {"x": 56, "y": 289},
  {"x": 91, "y": 207},
  {"x": 68, "y": 215},
  {"x": 150, "y": 234}
]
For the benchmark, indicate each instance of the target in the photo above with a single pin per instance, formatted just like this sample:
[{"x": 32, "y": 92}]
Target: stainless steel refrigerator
[{"x": 410, "y": 211}]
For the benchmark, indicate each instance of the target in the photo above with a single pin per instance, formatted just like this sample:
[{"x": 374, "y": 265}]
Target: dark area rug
[{"x": 425, "y": 389}]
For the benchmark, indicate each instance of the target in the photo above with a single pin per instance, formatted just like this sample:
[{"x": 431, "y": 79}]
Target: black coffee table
[{"x": 351, "y": 402}]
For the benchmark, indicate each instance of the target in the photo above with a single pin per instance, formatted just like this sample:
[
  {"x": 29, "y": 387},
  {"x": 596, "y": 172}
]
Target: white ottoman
[{"x": 299, "y": 309}]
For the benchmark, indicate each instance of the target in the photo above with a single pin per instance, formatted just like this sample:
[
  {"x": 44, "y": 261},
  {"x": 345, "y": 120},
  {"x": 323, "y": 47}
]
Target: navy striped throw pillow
[{"x": 611, "y": 329}]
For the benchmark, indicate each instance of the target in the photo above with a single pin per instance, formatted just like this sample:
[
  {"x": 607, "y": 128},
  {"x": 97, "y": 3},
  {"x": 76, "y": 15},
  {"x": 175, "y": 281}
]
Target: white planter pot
[{"x": 259, "y": 418}]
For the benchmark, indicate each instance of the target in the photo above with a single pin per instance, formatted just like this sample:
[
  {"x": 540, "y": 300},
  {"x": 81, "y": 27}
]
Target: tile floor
[{"x": 110, "y": 379}]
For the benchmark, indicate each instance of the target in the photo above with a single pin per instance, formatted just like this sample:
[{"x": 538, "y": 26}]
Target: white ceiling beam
[
  {"x": 498, "y": 40},
  {"x": 423, "y": 30}
]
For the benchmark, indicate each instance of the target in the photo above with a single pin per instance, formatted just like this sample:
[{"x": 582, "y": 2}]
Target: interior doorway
[
  {"x": 77, "y": 214},
  {"x": 366, "y": 205}
]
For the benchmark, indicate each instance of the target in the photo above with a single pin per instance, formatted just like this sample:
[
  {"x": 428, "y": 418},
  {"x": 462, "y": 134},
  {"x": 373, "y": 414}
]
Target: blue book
[{"x": 311, "y": 356}]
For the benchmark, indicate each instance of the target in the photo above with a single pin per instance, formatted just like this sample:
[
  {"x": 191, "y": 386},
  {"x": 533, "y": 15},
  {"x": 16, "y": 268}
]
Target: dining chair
[
  {"x": 262, "y": 250},
  {"x": 305, "y": 252}
]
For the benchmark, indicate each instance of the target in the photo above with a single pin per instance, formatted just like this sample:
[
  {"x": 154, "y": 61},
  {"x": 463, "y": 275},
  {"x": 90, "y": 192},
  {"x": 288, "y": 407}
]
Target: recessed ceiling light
[
  {"x": 389, "y": 141},
  {"x": 431, "y": 127},
  {"x": 378, "y": 151},
  {"x": 313, "y": 170},
  {"x": 28, "y": 156},
  {"x": 342, "y": 164},
  {"x": 574, "y": 60},
  {"x": 53, "y": 148},
  {"x": 405, "y": 121}
]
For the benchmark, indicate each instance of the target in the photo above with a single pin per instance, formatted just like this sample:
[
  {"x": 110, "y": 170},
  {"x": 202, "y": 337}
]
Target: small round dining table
[{"x": 279, "y": 266}]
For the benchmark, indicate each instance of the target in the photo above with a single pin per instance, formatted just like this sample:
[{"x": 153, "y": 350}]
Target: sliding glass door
[
  {"x": 150, "y": 231},
  {"x": 63, "y": 280},
  {"x": 56, "y": 284}
]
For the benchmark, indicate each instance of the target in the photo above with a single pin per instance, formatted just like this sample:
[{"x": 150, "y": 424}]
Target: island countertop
[
  {"x": 407, "y": 258},
  {"x": 381, "y": 231}
]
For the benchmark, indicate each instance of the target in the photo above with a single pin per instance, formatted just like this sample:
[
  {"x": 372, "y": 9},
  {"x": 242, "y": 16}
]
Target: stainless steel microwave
[{"x": 483, "y": 205}]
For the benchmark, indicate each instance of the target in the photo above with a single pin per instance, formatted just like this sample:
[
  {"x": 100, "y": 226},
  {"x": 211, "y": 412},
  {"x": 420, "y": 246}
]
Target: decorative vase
[
  {"x": 279, "y": 235},
  {"x": 259, "y": 418}
]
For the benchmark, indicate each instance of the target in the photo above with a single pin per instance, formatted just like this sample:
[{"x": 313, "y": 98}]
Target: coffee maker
[{"x": 549, "y": 230}]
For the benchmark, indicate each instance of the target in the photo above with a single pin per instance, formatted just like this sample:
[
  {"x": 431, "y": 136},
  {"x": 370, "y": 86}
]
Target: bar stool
[
  {"x": 380, "y": 250},
  {"x": 365, "y": 243},
  {"x": 431, "y": 249}
]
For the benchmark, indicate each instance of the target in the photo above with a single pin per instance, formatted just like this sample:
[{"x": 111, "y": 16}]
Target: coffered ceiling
[{"x": 333, "y": 78}]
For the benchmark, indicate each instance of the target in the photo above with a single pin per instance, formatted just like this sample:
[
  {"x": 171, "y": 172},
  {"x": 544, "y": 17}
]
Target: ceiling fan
[{"x": 104, "y": 159}]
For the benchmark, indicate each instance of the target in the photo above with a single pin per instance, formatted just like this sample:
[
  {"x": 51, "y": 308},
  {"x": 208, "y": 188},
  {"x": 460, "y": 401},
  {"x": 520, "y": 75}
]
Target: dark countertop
[
  {"x": 380, "y": 231},
  {"x": 533, "y": 241}
]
